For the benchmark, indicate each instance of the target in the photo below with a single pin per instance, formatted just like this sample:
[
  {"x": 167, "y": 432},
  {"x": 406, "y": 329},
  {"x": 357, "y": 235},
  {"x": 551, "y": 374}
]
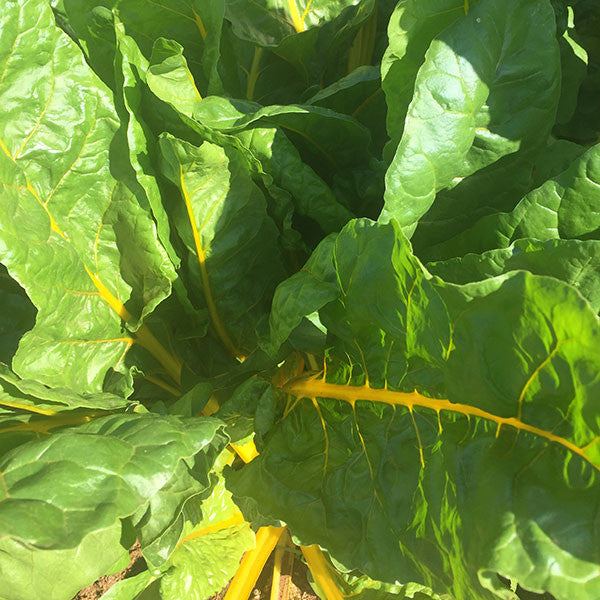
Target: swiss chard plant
[{"x": 323, "y": 271}]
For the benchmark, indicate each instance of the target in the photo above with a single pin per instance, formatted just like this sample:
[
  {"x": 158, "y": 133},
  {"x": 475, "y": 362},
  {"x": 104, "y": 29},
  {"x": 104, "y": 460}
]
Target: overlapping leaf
[
  {"x": 412, "y": 27},
  {"x": 59, "y": 491},
  {"x": 470, "y": 107},
  {"x": 222, "y": 218},
  {"x": 74, "y": 237},
  {"x": 491, "y": 467}
]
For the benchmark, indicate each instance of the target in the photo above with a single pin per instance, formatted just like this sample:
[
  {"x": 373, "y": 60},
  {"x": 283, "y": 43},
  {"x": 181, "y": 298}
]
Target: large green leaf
[
  {"x": 412, "y": 27},
  {"x": 491, "y": 467},
  {"x": 497, "y": 188},
  {"x": 564, "y": 206},
  {"x": 576, "y": 262},
  {"x": 312, "y": 126},
  {"x": 359, "y": 95},
  {"x": 74, "y": 237},
  {"x": 470, "y": 107},
  {"x": 68, "y": 492},
  {"x": 311, "y": 196},
  {"x": 58, "y": 574},
  {"x": 221, "y": 216}
]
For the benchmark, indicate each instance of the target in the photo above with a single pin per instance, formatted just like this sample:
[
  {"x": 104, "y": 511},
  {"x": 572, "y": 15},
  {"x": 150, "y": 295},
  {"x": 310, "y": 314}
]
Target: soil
[
  {"x": 136, "y": 565},
  {"x": 293, "y": 580}
]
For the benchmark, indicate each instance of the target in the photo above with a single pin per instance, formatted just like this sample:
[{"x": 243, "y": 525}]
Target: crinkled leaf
[
  {"x": 311, "y": 35},
  {"x": 209, "y": 554},
  {"x": 358, "y": 94},
  {"x": 58, "y": 490},
  {"x": 496, "y": 188},
  {"x": 279, "y": 158},
  {"x": 58, "y": 574},
  {"x": 490, "y": 468},
  {"x": 573, "y": 261},
  {"x": 73, "y": 236},
  {"x": 195, "y": 24}
]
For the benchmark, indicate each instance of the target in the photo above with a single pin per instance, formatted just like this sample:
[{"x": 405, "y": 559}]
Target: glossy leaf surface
[{"x": 473, "y": 459}]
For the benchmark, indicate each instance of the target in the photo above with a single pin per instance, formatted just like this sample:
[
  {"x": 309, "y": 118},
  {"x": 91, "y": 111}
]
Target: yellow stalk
[
  {"x": 200, "y": 25},
  {"x": 317, "y": 388},
  {"x": 212, "y": 406},
  {"x": 276, "y": 573},
  {"x": 162, "y": 384},
  {"x": 252, "y": 564},
  {"x": 320, "y": 570},
  {"x": 466, "y": 6},
  {"x": 247, "y": 452},
  {"x": 210, "y": 302},
  {"x": 28, "y": 407},
  {"x": 143, "y": 335},
  {"x": 296, "y": 18}
]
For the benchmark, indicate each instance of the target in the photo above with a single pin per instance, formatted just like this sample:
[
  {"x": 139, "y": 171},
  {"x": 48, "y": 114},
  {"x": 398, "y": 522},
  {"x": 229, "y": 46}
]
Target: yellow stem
[
  {"x": 143, "y": 335},
  {"x": 28, "y": 407},
  {"x": 296, "y": 18},
  {"x": 212, "y": 406},
  {"x": 210, "y": 302},
  {"x": 252, "y": 564},
  {"x": 236, "y": 519},
  {"x": 318, "y": 388},
  {"x": 199, "y": 24},
  {"x": 320, "y": 570},
  {"x": 247, "y": 452},
  {"x": 171, "y": 363},
  {"x": 276, "y": 573}
]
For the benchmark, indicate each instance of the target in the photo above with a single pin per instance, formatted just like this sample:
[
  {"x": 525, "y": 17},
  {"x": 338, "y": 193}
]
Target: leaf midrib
[{"x": 318, "y": 388}]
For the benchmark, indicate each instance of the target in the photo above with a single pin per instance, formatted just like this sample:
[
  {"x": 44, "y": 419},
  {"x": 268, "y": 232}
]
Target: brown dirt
[
  {"x": 95, "y": 590},
  {"x": 293, "y": 579}
]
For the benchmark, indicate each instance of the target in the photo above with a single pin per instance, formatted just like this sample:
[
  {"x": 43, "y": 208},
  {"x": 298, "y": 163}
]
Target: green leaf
[
  {"x": 411, "y": 29},
  {"x": 573, "y": 261},
  {"x": 312, "y": 36},
  {"x": 310, "y": 125},
  {"x": 497, "y": 188},
  {"x": 222, "y": 219},
  {"x": 30, "y": 394},
  {"x": 358, "y": 94},
  {"x": 209, "y": 554},
  {"x": 279, "y": 158},
  {"x": 491, "y": 467},
  {"x": 573, "y": 60},
  {"x": 57, "y": 574},
  {"x": 170, "y": 79},
  {"x": 565, "y": 205},
  {"x": 72, "y": 235},
  {"x": 130, "y": 588},
  {"x": 60, "y": 490},
  {"x": 459, "y": 119},
  {"x": 301, "y": 295},
  {"x": 195, "y": 24}
]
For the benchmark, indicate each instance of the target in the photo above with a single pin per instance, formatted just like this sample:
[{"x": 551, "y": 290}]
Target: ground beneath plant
[{"x": 294, "y": 580}]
